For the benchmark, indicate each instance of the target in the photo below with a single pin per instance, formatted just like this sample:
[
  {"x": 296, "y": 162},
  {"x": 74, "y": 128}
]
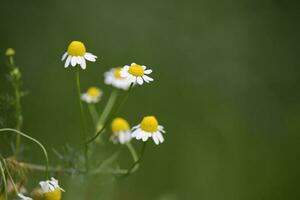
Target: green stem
[
  {"x": 105, "y": 124},
  {"x": 134, "y": 155},
  {"x": 136, "y": 164},
  {"x": 93, "y": 113},
  {"x": 4, "y": 180},
  {"x": 84, "y": 135},
  {"x": 19, "y": 118},
  {"x": 109, "y": 105},
  {"x": 10, "y": 177},
  {"x": 35, "y": 141}
]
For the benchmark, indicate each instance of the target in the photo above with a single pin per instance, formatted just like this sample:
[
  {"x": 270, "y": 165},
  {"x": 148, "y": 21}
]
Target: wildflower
[
  {"x": 76, "y": 54},
  {"x": 10, "y": 52},
  {"x": 51, "y": 190},
  {"x": 149, "y": 127},
  {"x": 92, "y": 95},
  {"x": 136, "y": 73},
  {"x": 121, "y": 131},
  {"x": 23, "y": 197},
  {"x": 113, "y": 77}
]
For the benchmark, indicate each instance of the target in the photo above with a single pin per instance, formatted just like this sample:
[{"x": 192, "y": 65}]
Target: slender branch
[
  {"x": 109, "y": 105},
  {"x": 83, "y": 120},
  {"x": 105, "y": 124},
  {"x": 4, "y": 179},
  {"x": 34, "y": 140},
  {"x": 93, "y": 113}
]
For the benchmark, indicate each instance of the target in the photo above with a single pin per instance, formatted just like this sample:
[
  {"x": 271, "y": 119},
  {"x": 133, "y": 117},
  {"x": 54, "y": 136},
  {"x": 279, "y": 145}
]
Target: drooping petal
[
  {"x": 74, "y": 61},
  {"x": 67, "y": 63},
  {"x": 64, "y": 56},
  {"x": 90, "y": 57},
  {"x": 83, "y": 63},
  {"x": 139, "y": 80}
]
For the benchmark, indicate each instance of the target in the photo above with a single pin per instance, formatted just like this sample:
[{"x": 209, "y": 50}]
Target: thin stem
[
  {"x": 93, "y": 113},
  {"x": 83, "y": 120},
  {"x": 133, "y": 154},
  {"x": 10, "y": 177},
  {"x": 34, "y": 140},
  {"x": 137, "y": 162},
  {"x": 105, "y": 124},
  {"x": 110, "y": 103},
  {"x": 4, "y": 180},
  {"x": 16, "y": 86}
]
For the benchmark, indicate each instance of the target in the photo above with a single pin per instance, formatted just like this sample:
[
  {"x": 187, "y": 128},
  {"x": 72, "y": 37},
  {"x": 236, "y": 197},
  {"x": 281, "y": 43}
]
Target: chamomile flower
[
  {"x": 148, "y": 128},
  {"x": 51, "y": 190},
  {"x": 113, "y": 77},
  {"x": 76, "y": 54},
  {"x": 121, "y": 131},
  {"x": 23, "y": 197},
  {"x": 136, "y": 73},
  {"x": 92, "y": 95}
]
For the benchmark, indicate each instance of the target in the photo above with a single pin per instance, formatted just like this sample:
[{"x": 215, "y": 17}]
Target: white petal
[
  {"x": 139, "y": 80},
  {"x": 155, "y": 139},
  {"x": 148, "y": 71},
  {"x": 139, "y": 135},
  {"x": 144, "y": 67},
  {"x": 67, "y": 63},
  {"x": 79, "y": 60},
  {"x": 145, "y": 137},
  {"x": 160, "y": 137},
  {"x": 83, "y": 63},
  {"x": 73, "y": 61},
  {"x": 64, "y": 56},
  {"x": 145, "y": 77},
  {"x": 90, "y": 57}
]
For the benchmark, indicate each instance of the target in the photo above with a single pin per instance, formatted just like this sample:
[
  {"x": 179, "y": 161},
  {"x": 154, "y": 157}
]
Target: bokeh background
[{"x": 226, "y": 89}]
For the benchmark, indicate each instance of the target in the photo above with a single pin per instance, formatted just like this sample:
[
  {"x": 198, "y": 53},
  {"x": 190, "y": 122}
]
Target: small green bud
[
  {"x": 10, "y": 52},
  {"x": 16, "y": 73}
]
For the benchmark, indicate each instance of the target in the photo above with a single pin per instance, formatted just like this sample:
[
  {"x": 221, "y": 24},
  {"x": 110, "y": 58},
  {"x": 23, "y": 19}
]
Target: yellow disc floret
[
  {"x": 136, "y": 70},
  {"x": 94, "y": 92},
  {"x": 117, "y": 73},
  {"x": 149, "y": 124},
  {"x": 54, "y": 195},
  {"x": 76, "y": 48},
  {"x": 119, "y": 124}
]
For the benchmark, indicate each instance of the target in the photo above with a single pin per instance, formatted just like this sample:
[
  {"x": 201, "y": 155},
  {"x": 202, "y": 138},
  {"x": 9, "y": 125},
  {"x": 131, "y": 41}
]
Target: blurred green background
[{"x": 226, "y": 89}]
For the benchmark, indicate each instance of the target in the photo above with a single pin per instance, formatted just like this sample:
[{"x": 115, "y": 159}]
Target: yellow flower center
[
  {"x": 93, "y": 92},
  {"x": 119, "y": 124},
  {"x": 54, "y": 195},
  {"x": 136, "y": 70},
  {"x": 117, "y": 73},
  {"x": 149, "y": 124},
  {"x": 76, "y": 48}
]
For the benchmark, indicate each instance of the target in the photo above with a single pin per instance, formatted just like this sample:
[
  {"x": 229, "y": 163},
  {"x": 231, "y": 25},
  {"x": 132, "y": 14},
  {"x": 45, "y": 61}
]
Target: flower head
[
  {"x": 121, "y": 131},
  {"x": 76, "y": 54},
  {"x": 136, "y": 73},
  {"x": 10, "y": 52},
  {"x": 149, "y": 127},
  {"x": 92, "y": 95},
  {"x": 113, "y": 77},
  {"x": 51, "y": 189}
]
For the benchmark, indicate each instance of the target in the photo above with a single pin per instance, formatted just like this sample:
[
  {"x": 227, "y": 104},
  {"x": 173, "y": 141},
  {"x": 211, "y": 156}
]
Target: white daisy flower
[
  {"x": 92, "y": 95},
  {"x": 136, "y": 73},
  {"x": 149, "y": 127},
  {"x": 76, "y": 54},
  {"x": 120, "y": 131},
  {"x": 23, "y": 197},
  {"x": 51, "y": 190},
  {"x": 113, "y": 77}
]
